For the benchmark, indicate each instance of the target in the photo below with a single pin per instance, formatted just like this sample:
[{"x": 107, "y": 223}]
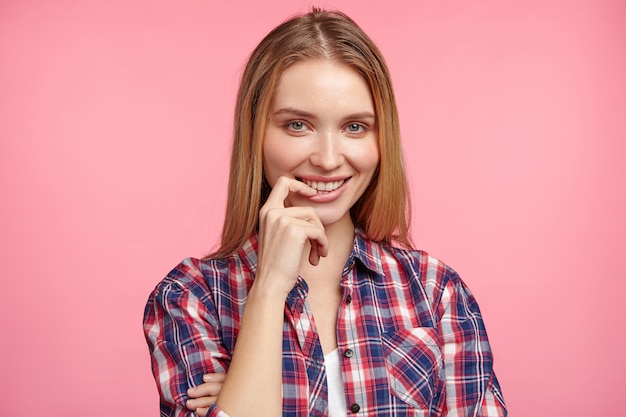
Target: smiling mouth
[{"x": 323, "y": 187}]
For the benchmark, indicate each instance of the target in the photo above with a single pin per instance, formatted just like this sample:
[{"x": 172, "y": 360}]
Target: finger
[
  {"x": 202, "y": 411},
  {"x": 216, "y": 377},
  {"x": 204, "y": 390},
  {"x": 300, "y": 234},
  {"x": 276, "y": 216},
  {"x": 319, "y": 244},
  {"x": 203, "y": 402},
  {"x": 316, "y": 234},
  {"x": 283, "y": 187},
  {"x": 278, "y": 224},
  {"x": 310, "y": 226},
  {"x": 314, "y": 255}
]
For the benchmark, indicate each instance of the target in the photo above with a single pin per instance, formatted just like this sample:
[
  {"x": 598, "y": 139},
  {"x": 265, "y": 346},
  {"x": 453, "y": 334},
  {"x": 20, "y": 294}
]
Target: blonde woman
[{"x": 316, "y": 304}]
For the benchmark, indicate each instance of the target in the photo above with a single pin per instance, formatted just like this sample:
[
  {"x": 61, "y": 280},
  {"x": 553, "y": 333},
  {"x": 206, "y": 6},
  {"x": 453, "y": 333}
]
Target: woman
[{"x": 315, "y": 304}]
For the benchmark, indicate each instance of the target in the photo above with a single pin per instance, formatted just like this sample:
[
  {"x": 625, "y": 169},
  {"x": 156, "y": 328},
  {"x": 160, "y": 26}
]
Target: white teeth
[{"x": 324, "y": 186}]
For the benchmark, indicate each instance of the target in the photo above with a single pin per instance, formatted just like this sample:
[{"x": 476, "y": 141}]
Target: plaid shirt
[{"x": 410, "y": 334}]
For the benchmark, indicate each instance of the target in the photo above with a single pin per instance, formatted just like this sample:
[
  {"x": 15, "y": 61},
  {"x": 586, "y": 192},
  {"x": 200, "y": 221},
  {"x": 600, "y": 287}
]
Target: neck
[
  {"x": 340, "y": 233},
  {"x": 340, "y": 240}
]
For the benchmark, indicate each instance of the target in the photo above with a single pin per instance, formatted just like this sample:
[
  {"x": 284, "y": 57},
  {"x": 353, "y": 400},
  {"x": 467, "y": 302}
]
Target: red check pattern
[{"x": 410, "y": 334}]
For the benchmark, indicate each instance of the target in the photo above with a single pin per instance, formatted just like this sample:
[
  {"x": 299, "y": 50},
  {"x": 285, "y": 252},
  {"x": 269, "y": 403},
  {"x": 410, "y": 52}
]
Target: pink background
[{"x": 115, "y": 122}]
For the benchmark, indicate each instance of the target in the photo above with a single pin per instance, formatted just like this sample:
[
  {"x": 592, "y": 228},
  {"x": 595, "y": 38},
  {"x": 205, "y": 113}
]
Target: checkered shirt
[{"x": 410, "y": 334}]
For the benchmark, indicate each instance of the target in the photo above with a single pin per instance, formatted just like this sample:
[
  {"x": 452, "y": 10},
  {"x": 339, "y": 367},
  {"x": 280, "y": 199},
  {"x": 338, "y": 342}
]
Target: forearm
[
  {"x": 255, "y": 374},
  {"x": 288, "y": 236}
]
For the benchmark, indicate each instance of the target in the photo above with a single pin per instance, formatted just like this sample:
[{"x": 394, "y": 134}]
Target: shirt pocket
[{"x": 414, "y": 364}]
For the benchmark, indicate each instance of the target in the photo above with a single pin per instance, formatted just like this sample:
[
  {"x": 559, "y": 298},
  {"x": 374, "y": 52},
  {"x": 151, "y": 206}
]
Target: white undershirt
[{"x": 336, "y": 395}]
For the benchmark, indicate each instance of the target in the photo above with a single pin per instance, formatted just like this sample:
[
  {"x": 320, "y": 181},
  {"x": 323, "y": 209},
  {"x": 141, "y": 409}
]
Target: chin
[{"x": 328, "y": 217}]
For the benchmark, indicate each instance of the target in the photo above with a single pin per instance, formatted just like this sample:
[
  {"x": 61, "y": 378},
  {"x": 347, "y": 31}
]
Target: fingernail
[{"x": 206, "y": 377}]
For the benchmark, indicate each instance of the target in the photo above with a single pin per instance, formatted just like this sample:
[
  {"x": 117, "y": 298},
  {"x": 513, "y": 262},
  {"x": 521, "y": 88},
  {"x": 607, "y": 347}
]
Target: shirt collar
[
  {"x": 249, "y": 250},
  {"x": 367, "y": 252}
]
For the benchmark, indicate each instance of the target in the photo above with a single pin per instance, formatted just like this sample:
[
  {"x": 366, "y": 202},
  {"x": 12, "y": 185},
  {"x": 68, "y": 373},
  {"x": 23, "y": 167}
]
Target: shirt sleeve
[
  {"x": 183, "y": 334},
  {"x": 472, "y": 388}
]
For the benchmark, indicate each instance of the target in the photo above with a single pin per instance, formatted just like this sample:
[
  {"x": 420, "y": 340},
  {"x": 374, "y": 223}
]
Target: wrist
[{"x": 271, "y": 288}]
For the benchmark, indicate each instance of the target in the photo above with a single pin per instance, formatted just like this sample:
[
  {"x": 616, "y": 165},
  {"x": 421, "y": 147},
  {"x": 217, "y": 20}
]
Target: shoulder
[
  {"x": 426, "y": 275},
  {"x": 442, "y": 284},
  {"x": 213, "y": 277},
  {"x": 186, "y": 280},
  {"x": 418, "y": 263},
  {"x": 202, "y": 277}
]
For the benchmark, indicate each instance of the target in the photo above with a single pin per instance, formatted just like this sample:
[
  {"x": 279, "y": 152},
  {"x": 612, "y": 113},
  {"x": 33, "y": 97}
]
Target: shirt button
[
  {"x": 355, "y": 408},
  {"x": 348, "y": 353},
  {"x": 348, "y": 299}
]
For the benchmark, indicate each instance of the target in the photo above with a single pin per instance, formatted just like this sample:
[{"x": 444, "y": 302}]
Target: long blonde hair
[{"x": 383, "y": 211}]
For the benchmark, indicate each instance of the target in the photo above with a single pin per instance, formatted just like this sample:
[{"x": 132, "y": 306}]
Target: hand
[
  {"x": 285, "y": 233},
  {"x": 205, "y": 394}
]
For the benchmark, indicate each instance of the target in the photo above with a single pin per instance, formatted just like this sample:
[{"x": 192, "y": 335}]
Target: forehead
[{"x": 320, "y": 84}]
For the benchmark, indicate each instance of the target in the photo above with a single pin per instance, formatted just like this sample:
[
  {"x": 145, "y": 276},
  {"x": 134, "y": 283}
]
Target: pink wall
[{"x": 114, "y": 134}]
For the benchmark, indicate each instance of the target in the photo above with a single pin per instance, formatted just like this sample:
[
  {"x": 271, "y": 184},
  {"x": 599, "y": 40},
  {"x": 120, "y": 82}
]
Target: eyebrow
[
  {"x": 291, "y": 110},
  {"x": 301, "y": 113}
]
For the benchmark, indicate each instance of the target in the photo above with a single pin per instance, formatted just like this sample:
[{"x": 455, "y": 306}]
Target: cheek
[
  {"x": 367, "y": 157},
  {"x": 275, "y": 160}
]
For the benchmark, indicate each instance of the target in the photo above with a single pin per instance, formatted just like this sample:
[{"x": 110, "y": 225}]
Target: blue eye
[
  {"x": 297, "y": 125},
  {"x": 355, "y": 128}
]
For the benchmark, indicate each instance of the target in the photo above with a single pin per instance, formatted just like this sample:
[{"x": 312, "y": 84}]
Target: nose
[{"x": 327, "y": 154}]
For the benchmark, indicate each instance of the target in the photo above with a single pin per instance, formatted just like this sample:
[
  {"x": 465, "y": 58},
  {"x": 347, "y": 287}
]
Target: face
[{"x": 322, "y": 131}]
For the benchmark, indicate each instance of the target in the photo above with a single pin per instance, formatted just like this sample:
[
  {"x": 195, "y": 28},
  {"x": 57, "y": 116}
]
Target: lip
[
  {"x": 326, "y": 196},
  {"x": 322, "y": 179}
]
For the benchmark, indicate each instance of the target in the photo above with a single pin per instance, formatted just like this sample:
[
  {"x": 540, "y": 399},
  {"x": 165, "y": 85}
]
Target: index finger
[{"x": 283, "y": 187}]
